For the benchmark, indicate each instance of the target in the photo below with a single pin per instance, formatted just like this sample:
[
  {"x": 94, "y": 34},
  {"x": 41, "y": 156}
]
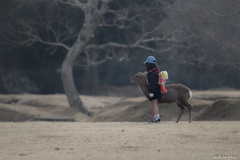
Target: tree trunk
[
  {"x": 91, "y": 19},
  {"x": 67, "y": 79},
  {"x": 89, "y": 25}
]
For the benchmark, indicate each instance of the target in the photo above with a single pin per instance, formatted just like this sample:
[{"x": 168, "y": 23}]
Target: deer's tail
[{"x": 190, "y": 94}]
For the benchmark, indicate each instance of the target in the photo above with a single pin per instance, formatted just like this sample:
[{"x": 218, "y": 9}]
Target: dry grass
[
  {"x": 7, "y": 115},
  {"x": 117, "y": 108},
  {"x": 222, "y": 110},
  {"x": 52, "y": 106},
  {"x": 140, "y": 111},
  {"x": 206, "y": 106},
  {"x": 216, "y": 94}
]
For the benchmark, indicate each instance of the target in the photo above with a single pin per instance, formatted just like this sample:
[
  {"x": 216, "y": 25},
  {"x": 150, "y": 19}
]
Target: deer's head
[{"x": 139, "y": 78}]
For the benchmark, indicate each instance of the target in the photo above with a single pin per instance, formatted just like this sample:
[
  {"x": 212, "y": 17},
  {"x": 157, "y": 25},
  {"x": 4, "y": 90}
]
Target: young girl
[{"x": 153, "y": 87}]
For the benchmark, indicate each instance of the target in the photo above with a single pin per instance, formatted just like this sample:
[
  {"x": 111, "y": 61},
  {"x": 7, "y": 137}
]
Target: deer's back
[{"x": 174, "y": 92}]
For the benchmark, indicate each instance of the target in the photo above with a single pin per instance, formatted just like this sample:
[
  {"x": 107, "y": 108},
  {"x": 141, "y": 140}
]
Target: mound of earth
[
  {"x": 203, "y": 110},
  {"x": 39, "y": 106},
  {"x": 140, "y": 111},
  {"x": 207, "y": 105},
  {"x": 46, "y": 107},
  {"x": 222, "y": 110},
  {"x": 7, "y": 115}
]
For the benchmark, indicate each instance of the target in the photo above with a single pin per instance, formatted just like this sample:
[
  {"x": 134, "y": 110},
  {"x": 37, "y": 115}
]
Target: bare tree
[
  {"x": 213, "y": 31},
  {"x": 139, "y": 26},
  {"x": 187, "y": 35}
]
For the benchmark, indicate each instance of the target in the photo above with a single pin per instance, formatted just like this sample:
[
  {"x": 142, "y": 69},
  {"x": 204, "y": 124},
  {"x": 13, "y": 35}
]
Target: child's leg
[
  {"x": 151, "y": 105},
  {"x": 154, "y": 106},
  {"x": 156, "y": 117}
]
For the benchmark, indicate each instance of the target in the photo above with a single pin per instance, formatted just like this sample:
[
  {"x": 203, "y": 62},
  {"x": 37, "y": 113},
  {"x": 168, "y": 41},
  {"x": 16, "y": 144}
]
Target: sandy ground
[{"x": 119, "y": 140}]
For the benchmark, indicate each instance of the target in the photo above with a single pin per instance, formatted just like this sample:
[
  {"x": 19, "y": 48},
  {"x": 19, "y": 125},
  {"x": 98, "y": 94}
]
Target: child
[{"x": 153, "y": 87}]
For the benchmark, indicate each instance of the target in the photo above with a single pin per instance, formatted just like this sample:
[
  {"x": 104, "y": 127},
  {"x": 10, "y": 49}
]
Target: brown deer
[{"x": 176, "y": 93}]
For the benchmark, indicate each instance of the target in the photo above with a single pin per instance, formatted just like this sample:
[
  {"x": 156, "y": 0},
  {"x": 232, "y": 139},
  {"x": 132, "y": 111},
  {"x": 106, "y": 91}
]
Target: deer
[{"x": 176, "y": 93}]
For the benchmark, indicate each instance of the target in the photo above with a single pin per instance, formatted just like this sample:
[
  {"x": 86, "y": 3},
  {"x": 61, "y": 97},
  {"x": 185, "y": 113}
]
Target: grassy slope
[
  {"x": 222, "y": 110},
  {"x": 207, "y": 105},
  {"x": 7, "y": 115},
  {"x": 141, "y": 112},
  {"x": 49, "y": 106}
]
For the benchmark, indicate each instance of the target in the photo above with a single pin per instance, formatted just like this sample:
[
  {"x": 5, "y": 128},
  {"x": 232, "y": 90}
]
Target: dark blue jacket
[{"x": 153, "y": 85}]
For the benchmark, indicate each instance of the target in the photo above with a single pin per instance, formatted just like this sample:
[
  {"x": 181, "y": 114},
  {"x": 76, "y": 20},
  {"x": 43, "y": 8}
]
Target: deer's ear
[{"x": 144, "y": 73}]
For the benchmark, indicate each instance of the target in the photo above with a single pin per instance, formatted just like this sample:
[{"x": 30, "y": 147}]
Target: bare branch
[
  {"x": 73, "y": 3},
  {"x": 218, "y": 14}
]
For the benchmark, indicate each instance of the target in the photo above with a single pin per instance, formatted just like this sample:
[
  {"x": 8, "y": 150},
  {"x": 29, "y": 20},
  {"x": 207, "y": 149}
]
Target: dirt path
[{"x": 120, "y": 140}]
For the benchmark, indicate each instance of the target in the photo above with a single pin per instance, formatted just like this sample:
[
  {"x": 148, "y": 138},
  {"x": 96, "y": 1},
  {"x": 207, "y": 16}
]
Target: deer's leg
[
  {"x": 185, "y": 103},
  {"x": 182, "y": 110}
]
